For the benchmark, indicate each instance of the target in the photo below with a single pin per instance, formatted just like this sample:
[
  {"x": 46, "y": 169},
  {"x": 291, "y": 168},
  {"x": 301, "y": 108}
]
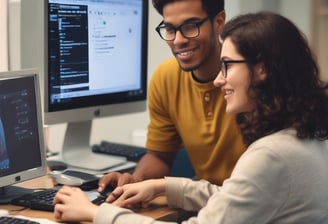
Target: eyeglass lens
[
  {"x": 225, "y": 63},
  {"x": 188, "y": 30}
]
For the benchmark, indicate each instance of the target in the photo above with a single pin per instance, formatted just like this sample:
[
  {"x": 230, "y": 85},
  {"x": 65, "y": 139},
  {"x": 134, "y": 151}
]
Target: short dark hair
[
  {"x": 211, "y": 7},
  {"x": 292, "y": 95}
]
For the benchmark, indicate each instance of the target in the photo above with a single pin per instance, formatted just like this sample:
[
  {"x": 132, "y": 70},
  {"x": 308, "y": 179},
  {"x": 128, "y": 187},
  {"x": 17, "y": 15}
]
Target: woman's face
[{"x": 236, "y": 83}]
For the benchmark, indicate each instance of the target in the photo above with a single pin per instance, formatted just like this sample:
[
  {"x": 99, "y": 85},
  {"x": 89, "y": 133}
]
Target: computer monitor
[
  {"x": 96, "y": 66},
  {"x": 22, "y": 153}
]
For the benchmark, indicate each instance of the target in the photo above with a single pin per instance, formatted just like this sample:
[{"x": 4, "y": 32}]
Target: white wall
[
  {"x": 121, "y": 128},
  {"x": 3, "y": 36}
]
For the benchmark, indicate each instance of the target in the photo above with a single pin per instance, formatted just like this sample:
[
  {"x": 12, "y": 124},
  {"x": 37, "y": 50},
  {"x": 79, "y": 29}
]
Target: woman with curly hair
[{"x": 270, "y": 80}]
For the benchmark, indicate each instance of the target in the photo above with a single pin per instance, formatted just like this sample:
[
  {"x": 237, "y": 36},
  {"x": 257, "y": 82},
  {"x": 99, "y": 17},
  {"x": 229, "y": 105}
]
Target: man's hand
[
  {"x": 152, "y": 165},
  {"x": 137, "y": 194},
  {"x": 115, "y": 179}
]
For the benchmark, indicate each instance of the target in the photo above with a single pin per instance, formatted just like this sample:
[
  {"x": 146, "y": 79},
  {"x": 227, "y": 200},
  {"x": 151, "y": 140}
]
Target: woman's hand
[
  {"x": 137, "y": 194},
  {"x": 71, "y": 204}
]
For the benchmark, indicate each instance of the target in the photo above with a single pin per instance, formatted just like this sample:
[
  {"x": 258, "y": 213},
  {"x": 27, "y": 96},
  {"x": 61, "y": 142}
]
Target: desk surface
[{"x": 157, "y": 209}]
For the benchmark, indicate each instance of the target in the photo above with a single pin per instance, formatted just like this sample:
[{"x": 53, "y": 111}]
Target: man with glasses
[{"x": 186, "y": 110}]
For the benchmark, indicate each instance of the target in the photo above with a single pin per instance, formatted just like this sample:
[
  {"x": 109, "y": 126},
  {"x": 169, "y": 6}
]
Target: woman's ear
[{"x": 260, "y": 71}]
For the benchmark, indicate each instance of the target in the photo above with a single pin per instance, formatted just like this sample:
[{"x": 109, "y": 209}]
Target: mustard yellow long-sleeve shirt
[{"x": 186, "y": 112}]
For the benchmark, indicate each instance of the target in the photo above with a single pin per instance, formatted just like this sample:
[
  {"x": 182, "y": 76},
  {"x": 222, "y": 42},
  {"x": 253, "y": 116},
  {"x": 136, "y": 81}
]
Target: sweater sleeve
[
  {"x": 110, "y": 214},
  {"x": 257, "y": 189},
  {"x": 188, "y": 194}
]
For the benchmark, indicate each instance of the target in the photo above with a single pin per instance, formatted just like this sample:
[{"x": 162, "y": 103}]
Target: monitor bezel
[
  {"x": 41, "y": 170},
  {"x": 116, "y": 106}
]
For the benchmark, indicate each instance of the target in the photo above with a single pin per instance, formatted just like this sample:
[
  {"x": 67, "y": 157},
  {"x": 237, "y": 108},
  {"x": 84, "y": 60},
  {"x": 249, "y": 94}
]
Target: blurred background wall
[{"x": 21, "y": 46}]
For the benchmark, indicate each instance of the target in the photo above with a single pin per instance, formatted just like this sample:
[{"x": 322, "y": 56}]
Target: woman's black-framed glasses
[
  {"x": 225, "y": 65},
  {"x": 188, "y": 30}
]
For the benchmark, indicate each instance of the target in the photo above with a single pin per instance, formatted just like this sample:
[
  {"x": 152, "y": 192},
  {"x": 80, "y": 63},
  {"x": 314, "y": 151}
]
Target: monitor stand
[
  {"x": 77, "y": 151},
  {"x": 10, "y": 192}
]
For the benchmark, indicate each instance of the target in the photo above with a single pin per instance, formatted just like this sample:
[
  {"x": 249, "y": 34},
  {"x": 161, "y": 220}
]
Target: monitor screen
[
  {"x": 22, "y": 154},
  {"x": 96, "y": 66}
]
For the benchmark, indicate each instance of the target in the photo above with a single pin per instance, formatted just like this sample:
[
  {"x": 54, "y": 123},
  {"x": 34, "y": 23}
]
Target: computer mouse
[
  {"x": 62, "y": 178},
  {"x": 4, "y": 212},
  {"x": 56, "y": 165}
]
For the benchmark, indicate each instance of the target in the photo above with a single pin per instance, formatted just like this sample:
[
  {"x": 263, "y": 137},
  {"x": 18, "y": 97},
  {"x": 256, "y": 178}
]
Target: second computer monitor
[{"x": 96, "y": 66}]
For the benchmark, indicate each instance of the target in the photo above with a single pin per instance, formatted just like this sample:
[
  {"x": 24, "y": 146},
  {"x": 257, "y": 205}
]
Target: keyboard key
[
  {"x": 15, "y": 220},
  {"x": 39, "y": 200},
  {"x": 43, "y": 200},
  {"x": 131, "y": 152}
]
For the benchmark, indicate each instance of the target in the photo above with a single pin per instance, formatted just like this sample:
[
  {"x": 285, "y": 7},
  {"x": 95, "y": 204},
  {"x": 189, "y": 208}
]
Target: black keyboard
[
  {"x": 43, "y": 200},
  {"x": 131, "y": 152},
  {"x": 15, "y": 220}
]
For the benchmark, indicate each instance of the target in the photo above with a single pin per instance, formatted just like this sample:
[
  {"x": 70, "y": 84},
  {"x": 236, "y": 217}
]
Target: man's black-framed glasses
[
  {"x": 188, "y": 30},
  {"x": 225, "y": 65}
]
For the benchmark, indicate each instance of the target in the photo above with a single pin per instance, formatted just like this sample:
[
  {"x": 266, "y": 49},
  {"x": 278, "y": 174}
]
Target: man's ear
[
  {"x": 260, "y": 71},
  {"x": 219, "y": 21}
]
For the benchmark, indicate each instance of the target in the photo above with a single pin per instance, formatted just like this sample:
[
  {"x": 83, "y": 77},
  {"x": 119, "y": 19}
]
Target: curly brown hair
[{"x": 292, "y": 96}]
